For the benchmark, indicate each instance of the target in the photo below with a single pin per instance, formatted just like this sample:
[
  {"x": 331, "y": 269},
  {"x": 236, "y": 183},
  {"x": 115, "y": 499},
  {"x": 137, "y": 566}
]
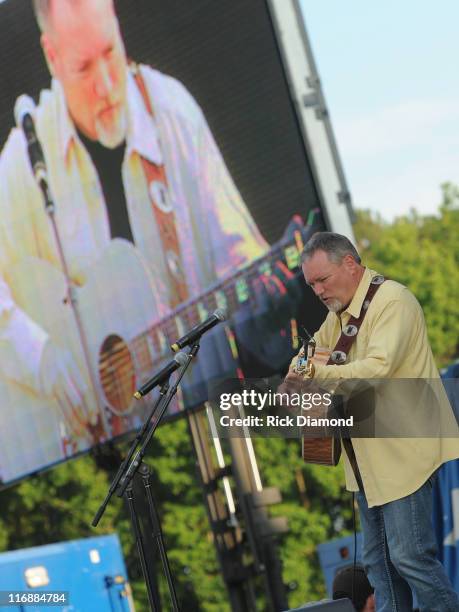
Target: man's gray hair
[{"x": 336, "y": 246}]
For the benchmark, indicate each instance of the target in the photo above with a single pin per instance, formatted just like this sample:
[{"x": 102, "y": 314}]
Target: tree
[
  {"x": 56, "y": 505},
  {"x": 422, "y": 252},
  {"x": 60, "y": 504},
  {"x": 316, "y": 505}
]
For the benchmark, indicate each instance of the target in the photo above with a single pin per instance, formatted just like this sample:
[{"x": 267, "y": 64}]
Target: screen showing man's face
[
  {"x": 210, "y": 175},
  {"x": 85, "y": 52}
]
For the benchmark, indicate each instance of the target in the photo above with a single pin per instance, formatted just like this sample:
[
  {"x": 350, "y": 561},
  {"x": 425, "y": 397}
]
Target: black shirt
[{"x": 108, "y": 164}]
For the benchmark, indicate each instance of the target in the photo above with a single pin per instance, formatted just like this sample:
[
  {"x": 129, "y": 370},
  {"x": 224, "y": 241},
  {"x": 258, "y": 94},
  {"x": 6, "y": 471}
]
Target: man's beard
[
  {"x": 334, "y": 305},
  {"x": 113, "y": 136}
]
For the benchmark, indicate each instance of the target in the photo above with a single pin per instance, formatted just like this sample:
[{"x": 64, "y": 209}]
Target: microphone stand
[
  {"x": 100, "y": 429},
  {"x": 122, "y": 484}
]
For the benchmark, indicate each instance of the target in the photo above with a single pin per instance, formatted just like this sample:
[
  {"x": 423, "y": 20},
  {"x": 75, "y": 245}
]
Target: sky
[{"x": 390, "y": 76}]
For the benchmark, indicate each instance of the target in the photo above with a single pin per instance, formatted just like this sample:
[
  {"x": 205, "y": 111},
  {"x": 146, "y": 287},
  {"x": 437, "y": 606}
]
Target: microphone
[
  {"x": 179, "y": 360},
  {"x": 197, "y": 331},
  {"x": 24, "y": 112}
]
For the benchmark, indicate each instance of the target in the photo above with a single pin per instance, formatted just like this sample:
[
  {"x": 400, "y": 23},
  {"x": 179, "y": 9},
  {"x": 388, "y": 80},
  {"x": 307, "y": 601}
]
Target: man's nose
[
  {"x": 103, "y": 82},
  {"x": 318, "y": 289}
]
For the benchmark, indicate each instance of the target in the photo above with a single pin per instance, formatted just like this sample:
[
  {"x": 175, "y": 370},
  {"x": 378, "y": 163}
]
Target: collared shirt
[
  {"x": 215, "y": 229},
  {"x": 392, "y": 343}
]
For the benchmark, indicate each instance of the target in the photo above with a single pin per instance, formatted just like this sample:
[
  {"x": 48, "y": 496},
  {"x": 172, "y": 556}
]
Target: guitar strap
[
  {"x": 339, "y": 357},
  {"x": 158, "y": 190}
]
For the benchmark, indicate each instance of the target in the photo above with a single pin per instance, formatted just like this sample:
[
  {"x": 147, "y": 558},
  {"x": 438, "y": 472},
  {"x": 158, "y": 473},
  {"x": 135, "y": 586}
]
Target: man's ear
[
  {"x": 49, "y": 52},
  {"x": 349, "y": 262}
]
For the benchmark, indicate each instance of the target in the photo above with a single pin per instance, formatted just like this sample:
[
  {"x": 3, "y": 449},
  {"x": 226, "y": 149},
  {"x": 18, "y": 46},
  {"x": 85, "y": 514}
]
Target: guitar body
[
  {"x": 116, "y": 305},
  {"x": 326, "y": 449},
  {"x": 323, "y": 451}
]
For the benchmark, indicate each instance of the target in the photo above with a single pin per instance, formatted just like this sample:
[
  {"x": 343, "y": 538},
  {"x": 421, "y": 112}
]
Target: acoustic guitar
[{"x": 317, "y": 445}]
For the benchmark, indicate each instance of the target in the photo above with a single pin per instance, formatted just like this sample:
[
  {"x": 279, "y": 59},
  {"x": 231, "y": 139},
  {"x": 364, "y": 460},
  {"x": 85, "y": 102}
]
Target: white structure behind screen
[{"x": 315, "y": 125}]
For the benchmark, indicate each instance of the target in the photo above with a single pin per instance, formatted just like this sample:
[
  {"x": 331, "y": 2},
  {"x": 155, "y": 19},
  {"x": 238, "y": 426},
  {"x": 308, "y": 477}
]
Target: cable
[{"x": 355, "y": 545}]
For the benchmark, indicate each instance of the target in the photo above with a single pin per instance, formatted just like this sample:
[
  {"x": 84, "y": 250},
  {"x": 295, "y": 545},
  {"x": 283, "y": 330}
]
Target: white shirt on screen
[{"x": 215, "y": 230}]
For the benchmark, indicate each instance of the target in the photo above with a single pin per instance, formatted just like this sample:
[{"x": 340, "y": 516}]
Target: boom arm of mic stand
[{"x": 164, "y": 404}]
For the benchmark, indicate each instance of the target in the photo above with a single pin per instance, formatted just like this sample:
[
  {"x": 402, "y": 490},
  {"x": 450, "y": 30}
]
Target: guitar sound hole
[{"x": 117, "y": 374}]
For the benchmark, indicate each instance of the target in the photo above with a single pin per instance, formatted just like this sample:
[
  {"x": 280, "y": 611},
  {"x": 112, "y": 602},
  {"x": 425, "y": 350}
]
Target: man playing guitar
[{"x": 375, "y": 329}]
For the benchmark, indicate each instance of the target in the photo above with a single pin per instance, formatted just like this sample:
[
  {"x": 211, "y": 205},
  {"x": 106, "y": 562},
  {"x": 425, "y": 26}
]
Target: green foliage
[
  {"x": 184, "y": 519},
  {"x": 320, "y": 512},
  {"x": 422, "y": 252},
  {"x": 57, "y": 505},
  {"x": 60, "y": 504},
  {"x": 193, "y": 556}
]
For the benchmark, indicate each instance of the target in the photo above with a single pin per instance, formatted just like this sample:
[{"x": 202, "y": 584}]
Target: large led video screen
[{"x": 151, "y": 171}]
